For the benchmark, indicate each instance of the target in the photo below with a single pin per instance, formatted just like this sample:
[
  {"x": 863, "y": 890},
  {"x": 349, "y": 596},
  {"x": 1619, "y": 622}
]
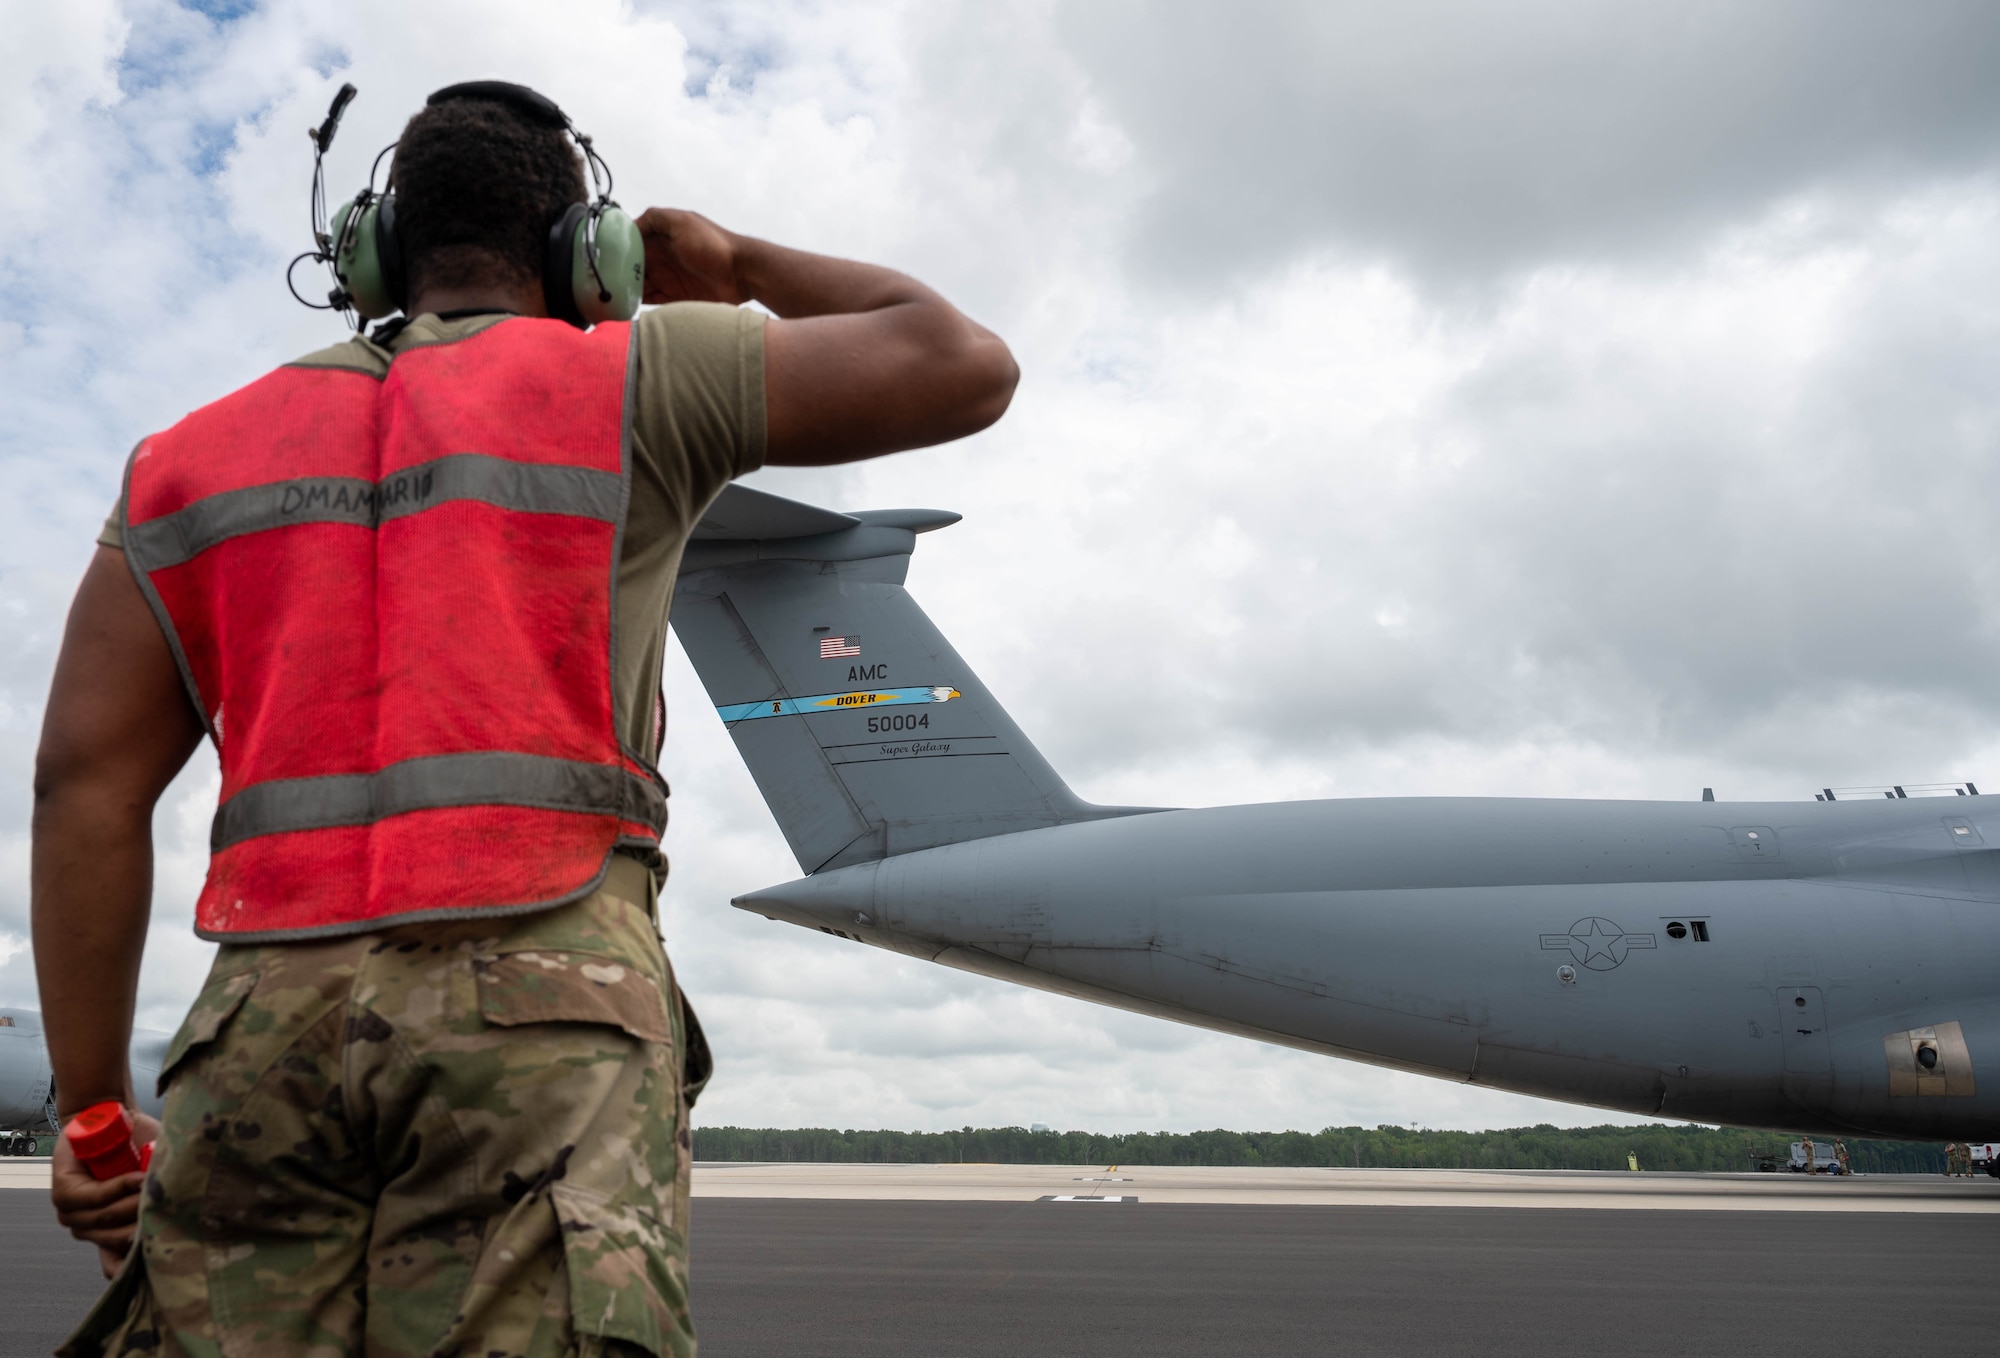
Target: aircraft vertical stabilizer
[{"x": 866, "y": 732}]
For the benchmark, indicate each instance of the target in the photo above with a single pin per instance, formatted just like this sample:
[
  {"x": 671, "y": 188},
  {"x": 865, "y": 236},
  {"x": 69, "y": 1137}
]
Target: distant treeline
[{"x": 1658, "y": 1146}]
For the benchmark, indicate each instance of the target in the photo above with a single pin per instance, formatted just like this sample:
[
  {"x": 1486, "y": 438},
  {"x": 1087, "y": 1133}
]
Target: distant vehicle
[
  {"x": 28, "y": 1087},
  {"x": 1986, "y": 1156},
  {"x": 1826, "y": 967},
  {"x": 1824, "y": 1160}
]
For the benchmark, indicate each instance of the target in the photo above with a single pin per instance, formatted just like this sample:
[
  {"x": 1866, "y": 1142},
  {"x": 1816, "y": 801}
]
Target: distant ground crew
[
  {"x": 433, "y": 1096},
  {"x": 1812, "y": 1166},
  {"x": 1840, "y": 1154}
]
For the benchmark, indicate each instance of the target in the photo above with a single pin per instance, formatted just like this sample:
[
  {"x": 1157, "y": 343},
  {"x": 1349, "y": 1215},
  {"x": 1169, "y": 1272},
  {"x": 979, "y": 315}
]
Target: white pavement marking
[
  {"x": 1361, "y": 1187},
  {"x": 1082, "y": 1197},
  {"x": 25, "y": 1173}
]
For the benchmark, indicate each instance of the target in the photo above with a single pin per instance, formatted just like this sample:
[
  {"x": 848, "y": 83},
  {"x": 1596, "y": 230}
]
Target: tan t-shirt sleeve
[
  {"x": 697, "y": 412},
  {"x": 113, "y": 535},
  {"x": 698, "y": 396}
]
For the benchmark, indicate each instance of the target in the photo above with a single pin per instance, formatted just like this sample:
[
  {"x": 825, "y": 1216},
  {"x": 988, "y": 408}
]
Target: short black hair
[{"x": 478, "y": 184}]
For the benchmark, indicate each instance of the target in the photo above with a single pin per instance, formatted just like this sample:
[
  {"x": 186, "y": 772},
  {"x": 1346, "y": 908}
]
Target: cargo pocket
[
  {"x": 550, "y": 986},
  {"x": 627, "y": 1276},
  {"x": 697, "y": 1063},
  {"x": 219, "y": 1000},
  {"x": 122, "y": 1320}
]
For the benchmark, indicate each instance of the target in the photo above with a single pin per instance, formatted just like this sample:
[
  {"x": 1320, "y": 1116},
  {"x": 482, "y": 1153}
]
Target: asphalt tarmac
[
  {"x": 903, "y": 1279},
  {"x": 50, "y": 1279},
  {"x": 1262, "y": 1186},
  {"x": 889, "y": 1279}
]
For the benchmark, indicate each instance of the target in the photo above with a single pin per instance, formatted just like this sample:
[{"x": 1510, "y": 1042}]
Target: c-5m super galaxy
[{"x": 1830, "y": 966}]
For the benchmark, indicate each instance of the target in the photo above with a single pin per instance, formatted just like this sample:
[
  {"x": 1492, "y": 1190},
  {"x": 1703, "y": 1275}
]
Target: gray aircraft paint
[
  {"x": 756, "y": 612},
  {"x": 27, "y": 1085},
  {"x": 1543, "y": 946}
]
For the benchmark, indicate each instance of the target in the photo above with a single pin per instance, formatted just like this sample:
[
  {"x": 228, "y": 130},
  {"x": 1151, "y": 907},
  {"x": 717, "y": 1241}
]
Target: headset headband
[{"x": 537, "y": 106}]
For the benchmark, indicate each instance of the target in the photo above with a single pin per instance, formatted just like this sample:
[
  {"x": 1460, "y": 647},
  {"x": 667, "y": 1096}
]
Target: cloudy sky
[{"x": 1547, "y": 399}]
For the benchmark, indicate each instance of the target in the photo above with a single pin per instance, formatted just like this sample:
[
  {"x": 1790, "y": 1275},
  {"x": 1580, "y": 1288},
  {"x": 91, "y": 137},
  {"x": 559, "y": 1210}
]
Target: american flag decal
[{"x": 839, "y": 648}]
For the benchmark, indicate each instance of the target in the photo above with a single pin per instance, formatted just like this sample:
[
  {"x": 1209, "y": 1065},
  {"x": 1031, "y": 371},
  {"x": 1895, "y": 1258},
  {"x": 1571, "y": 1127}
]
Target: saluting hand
[
  {"x": 688, "y": 258},
  {"x": 105, "y": 1212}
]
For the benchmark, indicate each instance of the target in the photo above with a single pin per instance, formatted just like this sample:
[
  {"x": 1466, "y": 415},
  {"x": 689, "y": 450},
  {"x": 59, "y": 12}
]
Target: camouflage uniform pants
[{"x": 464, "y": 1138}]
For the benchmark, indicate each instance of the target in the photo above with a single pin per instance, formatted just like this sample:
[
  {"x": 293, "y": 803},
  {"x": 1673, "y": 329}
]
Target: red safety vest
[{"x": 392, "y": 600}]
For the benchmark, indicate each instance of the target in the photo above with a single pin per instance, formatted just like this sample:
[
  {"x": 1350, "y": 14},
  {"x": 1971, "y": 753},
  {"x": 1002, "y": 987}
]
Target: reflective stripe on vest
[
  {"x": 487, "y": 779},
  {"x": 186, "y": 533},
  {"x": 393, "y": 602}
]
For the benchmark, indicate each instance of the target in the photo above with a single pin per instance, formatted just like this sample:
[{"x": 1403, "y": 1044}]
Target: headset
[{"x": 594, "y": 268}]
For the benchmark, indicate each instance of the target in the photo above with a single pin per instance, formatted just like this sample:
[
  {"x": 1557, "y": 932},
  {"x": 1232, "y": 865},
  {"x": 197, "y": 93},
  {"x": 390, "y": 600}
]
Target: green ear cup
[
  {"x": 621, "y": 264},
  {"x": 358, "y": 263}
]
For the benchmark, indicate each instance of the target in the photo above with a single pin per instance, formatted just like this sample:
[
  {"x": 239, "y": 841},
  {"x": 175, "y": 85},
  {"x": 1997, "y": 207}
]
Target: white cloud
[
  {"x": 1468, "y": 139},
  {"x": 1610, "y": 504}
]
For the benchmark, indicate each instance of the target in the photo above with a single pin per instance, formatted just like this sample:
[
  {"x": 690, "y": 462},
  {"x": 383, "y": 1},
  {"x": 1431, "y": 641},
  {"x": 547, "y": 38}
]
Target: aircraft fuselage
[{"x": 1820, "y": 966}]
